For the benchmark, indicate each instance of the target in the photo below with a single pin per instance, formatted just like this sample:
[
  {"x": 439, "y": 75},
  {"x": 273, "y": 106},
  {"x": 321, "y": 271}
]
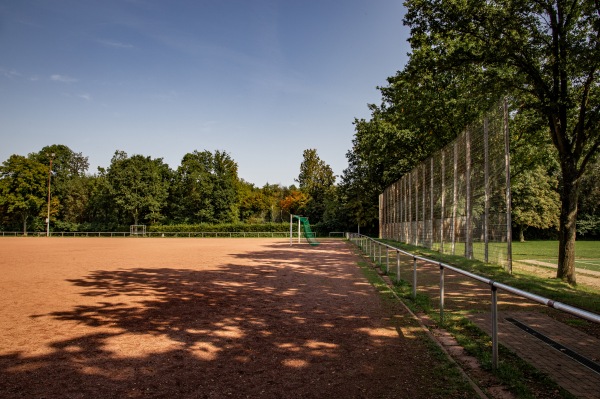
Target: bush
[{"x": 220, "y": 228}]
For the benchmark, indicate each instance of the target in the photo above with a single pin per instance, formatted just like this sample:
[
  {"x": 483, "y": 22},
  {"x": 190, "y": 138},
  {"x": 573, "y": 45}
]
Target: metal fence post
[
  {"x": 494, "y": 327},
  {"x": 414, "y": 287},
  {"x": 387, "y": 260},
  {"x": 508, "y": 192},
  {"x": 397, "y": 266},
  {"x": 442, "y": 289}
]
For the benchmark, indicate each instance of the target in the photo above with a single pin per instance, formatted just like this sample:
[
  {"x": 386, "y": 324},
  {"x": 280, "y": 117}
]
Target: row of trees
[
  {"x": 544, "y": 57},
  {"x": 138, "y": 189}
]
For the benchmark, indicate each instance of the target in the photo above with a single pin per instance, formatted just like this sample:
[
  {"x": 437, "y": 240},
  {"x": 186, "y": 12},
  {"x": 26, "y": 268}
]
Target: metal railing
[
  {"x": 205, "y": 234},
  {"x": 373, "y": 249}
]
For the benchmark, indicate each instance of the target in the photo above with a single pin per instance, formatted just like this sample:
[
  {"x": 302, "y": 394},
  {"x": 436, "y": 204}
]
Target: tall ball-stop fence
[{"x": 457, "y": 201}]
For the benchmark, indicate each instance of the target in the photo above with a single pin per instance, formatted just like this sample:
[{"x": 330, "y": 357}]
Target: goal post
[
  {"x": 308, "y": 233},
  {"x": 137, "y": 230}
]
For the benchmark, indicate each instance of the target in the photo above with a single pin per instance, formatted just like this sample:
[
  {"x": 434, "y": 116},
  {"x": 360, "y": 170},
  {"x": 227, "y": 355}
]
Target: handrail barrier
[{"x": 373, "y": 250}]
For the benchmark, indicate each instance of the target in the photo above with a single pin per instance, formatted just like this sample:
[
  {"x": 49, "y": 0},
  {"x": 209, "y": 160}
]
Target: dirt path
[{"x": 200, "y": 318}]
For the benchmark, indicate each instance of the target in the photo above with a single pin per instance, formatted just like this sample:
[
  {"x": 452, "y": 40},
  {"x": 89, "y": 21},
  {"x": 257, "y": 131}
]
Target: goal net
[{"x": 137, "y": 230}]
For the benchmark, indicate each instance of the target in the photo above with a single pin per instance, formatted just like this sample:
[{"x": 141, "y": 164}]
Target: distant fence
[
  {"x": 457, "y": 201},
  {"x": 195, "y": 234}
]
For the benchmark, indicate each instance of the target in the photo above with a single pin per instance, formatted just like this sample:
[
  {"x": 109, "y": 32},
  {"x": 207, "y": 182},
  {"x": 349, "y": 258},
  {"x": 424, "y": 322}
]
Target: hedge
[{"x": 219, "y": 228}]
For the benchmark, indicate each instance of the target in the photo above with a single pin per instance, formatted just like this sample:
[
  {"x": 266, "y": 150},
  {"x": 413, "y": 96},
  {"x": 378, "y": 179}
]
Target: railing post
[
  {"x": 494, "y": 328},
  {"x": 442, "y": 289},
  {"x": 374, "y": 251},
  {"x": 414, "y": 286},
  {"x": 379, "y": 256},
  {"x": 387, "y": 260},
  {"x": 397, "y": 266}
]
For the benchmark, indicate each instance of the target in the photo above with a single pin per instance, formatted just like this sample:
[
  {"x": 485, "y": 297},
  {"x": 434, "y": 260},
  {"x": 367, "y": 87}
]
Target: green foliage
[
  {"x": 205, "y": 189},
  {"x": 263, "y": 205},
  {"x": 536, "y": 202},
  {"x": 588, "y": 224},
  {"x": 23, "y": 190},
  {"x": 546, "y": 55},
  {"x": 317, "y": 180},
  {"x": 221, "y": 228},
  {"x": 138, "y": 186},
  {"x": 423, "y": 107}
]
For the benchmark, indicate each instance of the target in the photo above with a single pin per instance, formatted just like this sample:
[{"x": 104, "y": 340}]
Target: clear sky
[{"x": 260, "y": 79}]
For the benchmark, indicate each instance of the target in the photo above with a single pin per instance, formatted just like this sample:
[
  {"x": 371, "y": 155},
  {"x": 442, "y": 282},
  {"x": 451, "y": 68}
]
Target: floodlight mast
[{"x": 49, "y": 178}]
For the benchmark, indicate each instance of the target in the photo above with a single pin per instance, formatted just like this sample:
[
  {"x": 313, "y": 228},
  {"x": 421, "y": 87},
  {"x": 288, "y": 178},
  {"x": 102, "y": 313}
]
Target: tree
[
  {"x": 23, "y": 188},
  {"x": 535, "y": 201},
  {"x": 534, "y": 174},
  {"x": 69, "y": 182},
  {"x": 139, "y": 186},
  {"x": 316, "y": 179},
  {"x": 192, "y": 190},
  {"x": 422, "y": 109},
  {"x": 225, "y": 190},
  {"x": 546, "y": 52},
  {"x": 100, "y": 211},
  {"x": 206, "y": 189},
  {"x": 295, "y": 202}
]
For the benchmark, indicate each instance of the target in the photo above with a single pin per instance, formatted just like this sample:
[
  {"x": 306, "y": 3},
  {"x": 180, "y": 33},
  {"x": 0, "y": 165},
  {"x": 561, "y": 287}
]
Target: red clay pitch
[{"x": 198, "y": 318}]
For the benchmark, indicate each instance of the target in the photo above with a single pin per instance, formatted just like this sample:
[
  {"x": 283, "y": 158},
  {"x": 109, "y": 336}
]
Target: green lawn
[{"x": 587, "y": 253}]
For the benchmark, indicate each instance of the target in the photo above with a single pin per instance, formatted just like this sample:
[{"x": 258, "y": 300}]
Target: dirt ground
[{"x": 200, "y": 318}]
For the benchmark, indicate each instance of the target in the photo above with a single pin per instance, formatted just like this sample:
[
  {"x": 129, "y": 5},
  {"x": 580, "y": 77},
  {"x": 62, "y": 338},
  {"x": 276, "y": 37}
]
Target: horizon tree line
[{"x": 137, "y": 189}]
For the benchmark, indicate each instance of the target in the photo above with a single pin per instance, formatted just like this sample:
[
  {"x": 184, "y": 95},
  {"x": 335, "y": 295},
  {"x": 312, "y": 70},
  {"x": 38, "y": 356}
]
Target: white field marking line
[
  {"x": 540, "y": 262},
  {"x": 552, "y": 262},
  {"x": 593, "y": 263}
]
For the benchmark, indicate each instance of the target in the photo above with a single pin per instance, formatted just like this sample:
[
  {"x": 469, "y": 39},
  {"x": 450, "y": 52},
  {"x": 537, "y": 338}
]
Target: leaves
[
  {"x": 23, "y": 188},
  {"x": 138, "y": 186}
]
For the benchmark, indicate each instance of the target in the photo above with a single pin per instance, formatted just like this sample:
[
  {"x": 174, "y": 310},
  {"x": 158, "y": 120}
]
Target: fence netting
[{"x": 458, "y": 201}]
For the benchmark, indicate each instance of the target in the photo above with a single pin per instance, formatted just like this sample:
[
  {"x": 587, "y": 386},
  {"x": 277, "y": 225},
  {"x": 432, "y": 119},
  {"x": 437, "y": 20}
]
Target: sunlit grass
[{"x": 587, "y": 253}]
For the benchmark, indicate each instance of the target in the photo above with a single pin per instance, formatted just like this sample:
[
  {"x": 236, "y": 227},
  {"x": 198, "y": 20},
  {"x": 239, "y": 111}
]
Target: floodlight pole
[{"x": 49, "y": 178}]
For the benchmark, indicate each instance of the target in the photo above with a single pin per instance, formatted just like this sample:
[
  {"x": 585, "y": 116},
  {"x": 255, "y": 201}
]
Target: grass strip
[{"x": 445, "y": 376}]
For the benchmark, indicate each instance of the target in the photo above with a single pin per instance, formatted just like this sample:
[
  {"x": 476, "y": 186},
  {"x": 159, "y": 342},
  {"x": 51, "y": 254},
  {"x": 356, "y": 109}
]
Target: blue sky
[{"x": 262, "y": 80}]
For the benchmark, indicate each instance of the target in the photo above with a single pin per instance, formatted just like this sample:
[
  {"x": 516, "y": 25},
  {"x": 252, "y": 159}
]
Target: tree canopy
[
  {"x": 546, "y": 55},
  {"x": 137, "y": 189},
  {"x": 23, "y": 189}
]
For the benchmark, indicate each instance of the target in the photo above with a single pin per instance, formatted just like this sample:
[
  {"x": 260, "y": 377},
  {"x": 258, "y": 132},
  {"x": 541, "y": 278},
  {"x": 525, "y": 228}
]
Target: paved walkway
[{"x": 573, "y": 376}]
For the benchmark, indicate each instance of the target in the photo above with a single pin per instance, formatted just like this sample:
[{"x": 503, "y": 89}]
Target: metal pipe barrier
[
  {"x": 494, "y": 286},
  {"x": 230, "y": 234}
]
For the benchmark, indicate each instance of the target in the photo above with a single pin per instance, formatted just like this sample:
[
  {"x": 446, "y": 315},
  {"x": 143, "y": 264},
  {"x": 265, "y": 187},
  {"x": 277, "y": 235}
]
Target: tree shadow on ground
[{"x": 280, "y": 323}]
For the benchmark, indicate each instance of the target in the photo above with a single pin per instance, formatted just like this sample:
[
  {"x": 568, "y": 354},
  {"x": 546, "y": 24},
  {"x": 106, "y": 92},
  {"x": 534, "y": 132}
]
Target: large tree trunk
[{"x": 568, "y": 224}]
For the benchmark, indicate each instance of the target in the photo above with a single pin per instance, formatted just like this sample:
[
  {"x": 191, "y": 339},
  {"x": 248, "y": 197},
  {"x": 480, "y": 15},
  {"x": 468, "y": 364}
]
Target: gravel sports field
[{"x": 201, "y": 318}]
